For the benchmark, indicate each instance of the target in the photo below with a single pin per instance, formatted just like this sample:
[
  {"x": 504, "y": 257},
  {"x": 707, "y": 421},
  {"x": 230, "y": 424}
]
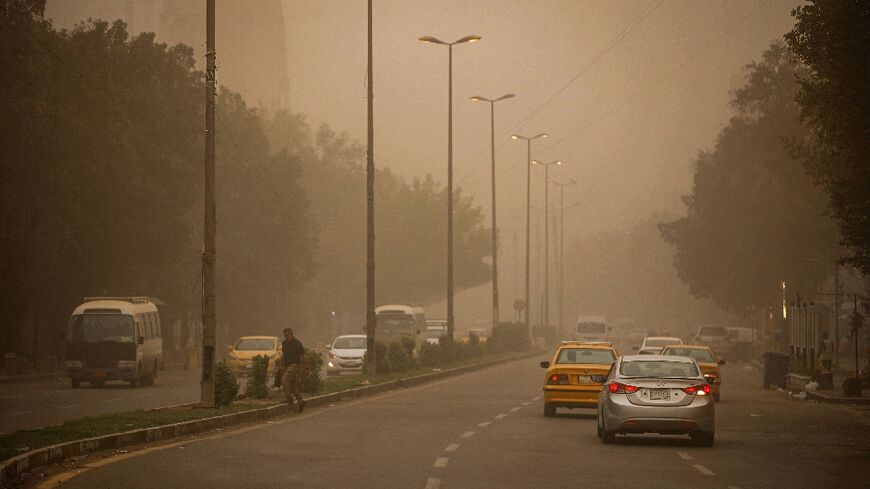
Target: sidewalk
[{"x": 834, "y": 395}]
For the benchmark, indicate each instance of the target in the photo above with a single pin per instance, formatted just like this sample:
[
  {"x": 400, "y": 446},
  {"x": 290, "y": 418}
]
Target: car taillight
[
  {"x": 617, "y": 388},
  {"x": 698, "y": 390},
  {"x": 558, "y": 379}
]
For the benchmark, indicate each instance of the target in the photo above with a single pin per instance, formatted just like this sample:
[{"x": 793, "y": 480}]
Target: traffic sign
[{"x": 519, "y": 305}]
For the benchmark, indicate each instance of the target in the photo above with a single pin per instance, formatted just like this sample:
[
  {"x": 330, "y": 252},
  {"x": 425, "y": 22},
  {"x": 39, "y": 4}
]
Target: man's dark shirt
[{"x": 293, "y": 351}]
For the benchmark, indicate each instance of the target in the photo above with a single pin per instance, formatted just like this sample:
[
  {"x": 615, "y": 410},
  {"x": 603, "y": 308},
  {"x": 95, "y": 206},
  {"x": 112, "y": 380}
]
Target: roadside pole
[
  {"x": 209, "y": 321},
  {"x": 370, "y": 211}
]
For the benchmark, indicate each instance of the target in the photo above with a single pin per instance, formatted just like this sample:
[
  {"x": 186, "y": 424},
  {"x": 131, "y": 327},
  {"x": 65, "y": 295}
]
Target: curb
[
  {"x": 10, "y": 469},
  {"x": 20, "y": 379},
  {"x": 818, "y": 396}
]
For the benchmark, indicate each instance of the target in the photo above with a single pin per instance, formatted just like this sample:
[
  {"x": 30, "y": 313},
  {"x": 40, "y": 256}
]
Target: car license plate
[
  {"x": 584, "y": 379},
  {"x": 99, "y": 373},
  {"x": 659, "y": 394}
]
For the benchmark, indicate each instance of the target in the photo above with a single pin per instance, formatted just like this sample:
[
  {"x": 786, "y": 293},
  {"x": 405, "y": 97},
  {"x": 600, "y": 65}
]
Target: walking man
[{"x": 294, "y": 363}]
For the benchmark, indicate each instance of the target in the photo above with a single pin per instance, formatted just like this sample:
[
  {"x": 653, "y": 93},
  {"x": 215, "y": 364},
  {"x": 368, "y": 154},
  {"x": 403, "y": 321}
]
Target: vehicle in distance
[
  {"x": 661, "y": 394},
  {"x": 114, "y": 338},
  {"x": 243, "y": 351},
  {"x": 346, "y": 354},
  {"x": 568, "y": 382},
  {"x": 398, "y": 321},
  {"x": 716, "y": 337},
  {"x": 590, "y": 328},
  {"x": 706, "y": 359},
  {"x": 653, "y": 344}
]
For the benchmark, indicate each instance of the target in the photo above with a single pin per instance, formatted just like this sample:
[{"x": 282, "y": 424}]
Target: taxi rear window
[{"x": 586, "y": 355}]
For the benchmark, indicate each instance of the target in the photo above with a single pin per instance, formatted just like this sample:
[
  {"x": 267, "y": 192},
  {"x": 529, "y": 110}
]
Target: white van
[
  {"x": 397, "y": 321},
  {"x": 591, "y": 329},
  {"x": 114, "y": 338}
]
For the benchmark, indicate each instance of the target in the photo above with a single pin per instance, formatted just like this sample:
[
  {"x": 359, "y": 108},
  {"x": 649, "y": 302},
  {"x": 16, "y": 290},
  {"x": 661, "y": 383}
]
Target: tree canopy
[
  {"x": 754, "y": 218},
  {"x": 831, "y": 38}
]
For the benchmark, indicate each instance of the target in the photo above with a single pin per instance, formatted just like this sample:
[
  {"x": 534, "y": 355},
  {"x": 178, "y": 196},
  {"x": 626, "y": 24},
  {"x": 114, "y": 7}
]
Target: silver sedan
[{"x": 656, "y": 394}]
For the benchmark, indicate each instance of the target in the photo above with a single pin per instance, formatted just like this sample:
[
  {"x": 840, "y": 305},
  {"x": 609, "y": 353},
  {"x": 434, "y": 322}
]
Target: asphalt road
[
  {"x": 486, "y": 430},
  {"x": 46, "y": 403}
]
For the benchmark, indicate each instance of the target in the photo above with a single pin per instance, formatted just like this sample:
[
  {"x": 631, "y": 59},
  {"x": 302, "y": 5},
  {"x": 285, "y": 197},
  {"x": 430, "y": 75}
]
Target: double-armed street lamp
[
  {"x": 528, "y": 212},
  {"x": 494, "y": 232},
  {"x": 562, "y": 186},
  {"x": 432, "y": 40},
  {"x": 547, "y": 236}
]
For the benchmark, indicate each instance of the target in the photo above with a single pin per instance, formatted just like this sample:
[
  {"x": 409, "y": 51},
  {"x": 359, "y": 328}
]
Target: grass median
[{"x": 18, "y": 442}]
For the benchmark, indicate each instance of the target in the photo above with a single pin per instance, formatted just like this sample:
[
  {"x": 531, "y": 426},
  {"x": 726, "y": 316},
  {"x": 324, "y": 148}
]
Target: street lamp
[
  {"x": 528, "y": 211},
  {"x": 547, "y": 236},
  {"x": 432, "y": 40},
  {"x": 562, "y": 186},
  {"x": 494, "y": 234}
]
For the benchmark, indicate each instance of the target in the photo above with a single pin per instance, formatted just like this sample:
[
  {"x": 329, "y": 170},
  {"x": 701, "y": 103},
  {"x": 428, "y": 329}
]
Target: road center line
[
  {"x": 485, "y": 424},
  {"x": 467, "y": 434},
  {"x": 433, "y": 483},
  {"x": 500, "y": 416},
  {"x": 513, "y": 410},
  {"x": 452, "y": 447},
  {"x": 703, "y": 470},
  {"x": 68, "y": 406},
  {"x": 441, "y": 462},
  {"x": 684, "y": 455}
]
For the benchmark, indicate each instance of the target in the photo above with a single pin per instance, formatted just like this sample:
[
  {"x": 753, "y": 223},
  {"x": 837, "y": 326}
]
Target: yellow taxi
[
  {"x": 706, "y": 359},
  {"x": 568, "y": 383},
  {"x": 243, "y": 351}
]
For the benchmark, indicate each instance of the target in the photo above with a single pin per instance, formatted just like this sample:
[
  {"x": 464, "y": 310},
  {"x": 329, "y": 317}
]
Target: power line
[{"x": 647, "y": 10}]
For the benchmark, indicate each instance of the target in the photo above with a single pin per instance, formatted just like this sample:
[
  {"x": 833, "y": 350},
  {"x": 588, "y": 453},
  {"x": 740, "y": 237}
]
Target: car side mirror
[
  {"x": 598, "y": 379},
  {"x": 545, "y": 364},
  {"x": 635, "y": 348},
  {"x": 229, "y": 347},
  {"x": 721, "y": 362},
  {"x": 328, "y": 347},
  {"x": 141, "y": 340}
]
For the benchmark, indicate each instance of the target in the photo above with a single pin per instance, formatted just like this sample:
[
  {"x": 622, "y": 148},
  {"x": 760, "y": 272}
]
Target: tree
[
  {"x": 831, "y": 37},
  {"x": 753, "y": 218}
]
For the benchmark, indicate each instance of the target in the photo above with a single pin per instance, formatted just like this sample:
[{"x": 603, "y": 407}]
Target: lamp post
[
  {"x": 528, "y": 212},
  {"x": 547, "y": 236},
  {"x": 562, "y": 186},
  {"x": 432, "y": 40},
  {"x": 494, "y": 229}
]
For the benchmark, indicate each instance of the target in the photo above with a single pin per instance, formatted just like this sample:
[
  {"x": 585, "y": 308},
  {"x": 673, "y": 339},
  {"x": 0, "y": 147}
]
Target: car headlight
[
  {"x": 73, "y": 364},
  {"x": 126, "y": 363},
  {"x": 332, "y": 355}
]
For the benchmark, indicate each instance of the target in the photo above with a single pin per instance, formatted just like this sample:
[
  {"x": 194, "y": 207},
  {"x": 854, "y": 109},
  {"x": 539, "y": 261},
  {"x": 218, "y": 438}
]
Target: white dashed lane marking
[
  {"x": 110, "y": 400},
  {"x": 485, "y": 424},
  {"x": 467, "y": 434},
  {"x": 500, "y": 416},
  {"x": 147, "y": 395},
  {"x": 22, "y": 413},
  {"x": 526, "y": 403},
  {"x": 452, "y": 447},
  {"x": 68, "y": 406},
  {"x": 684, "y": 455},
  {"x": 513, "y": 410},
  {"x": 703, "y": 470},
  {"x": 433, "y": 483},
  {"x": 441, "y": 462}
]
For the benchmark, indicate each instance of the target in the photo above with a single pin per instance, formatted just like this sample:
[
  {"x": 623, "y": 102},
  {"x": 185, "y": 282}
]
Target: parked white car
[
  {"x": 652, "y": 345},
  {"x": 346, "y": 354}
]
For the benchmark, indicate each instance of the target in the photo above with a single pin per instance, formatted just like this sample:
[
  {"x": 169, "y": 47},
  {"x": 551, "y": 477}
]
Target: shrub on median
[
  {"x": 397, "y": 358},
  {"x": 256, "y": 387},
  {"x": 226, "y": 388},
  {"x": 509, "y": 337},
  {"x": 309, "y": 378}
]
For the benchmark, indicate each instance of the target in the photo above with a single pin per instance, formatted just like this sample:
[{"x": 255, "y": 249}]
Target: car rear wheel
[
  {"x": 703, "y": 439},
  {"x": 607, "y": 437},
  {"x": 549, "y": 410}
]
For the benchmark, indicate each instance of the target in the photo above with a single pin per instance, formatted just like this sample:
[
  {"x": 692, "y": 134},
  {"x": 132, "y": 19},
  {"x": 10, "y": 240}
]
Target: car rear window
[
  {"x": 698, "y": 354},
  {"x": 658, "y": 369},
  {"x": 586, "y": 355}
]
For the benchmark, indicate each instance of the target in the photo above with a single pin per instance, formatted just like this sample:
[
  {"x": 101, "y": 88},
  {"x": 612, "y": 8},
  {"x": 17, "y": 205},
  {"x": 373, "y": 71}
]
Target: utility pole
[
  {"x": 546, "y": 302},
  {"x": 370, "y": 211},
  {"x": 209, "y": 320},
  {"x": 836, "y": 362}
]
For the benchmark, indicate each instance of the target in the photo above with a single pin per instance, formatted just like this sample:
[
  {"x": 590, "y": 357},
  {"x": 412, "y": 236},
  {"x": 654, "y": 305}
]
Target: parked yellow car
[
  {"x": 568, "y": 383},
  {"x": 243, "y": 351},
  {"x": 706, "y": 359}
]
